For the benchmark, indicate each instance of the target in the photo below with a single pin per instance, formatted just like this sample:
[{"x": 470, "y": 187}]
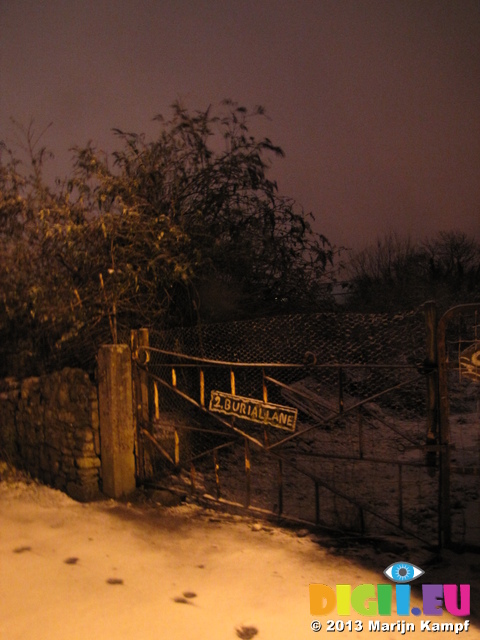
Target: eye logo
[
  {"x": 371, "y": 600},
  {"x": 402, "y": 572}
]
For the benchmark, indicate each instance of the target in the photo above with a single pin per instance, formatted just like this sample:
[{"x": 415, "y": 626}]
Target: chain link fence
[
  {"x": 462, "y": 347},
  {"x": 356, "y": 459}
]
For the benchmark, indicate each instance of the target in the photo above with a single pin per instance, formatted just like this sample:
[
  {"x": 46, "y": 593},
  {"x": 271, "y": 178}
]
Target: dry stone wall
[{"x": 49, "y": 426}]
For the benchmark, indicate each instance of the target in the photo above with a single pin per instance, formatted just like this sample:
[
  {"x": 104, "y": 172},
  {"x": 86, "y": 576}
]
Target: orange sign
[
  {"x": 470, "y": 362},
  {"x": 274, "y": 415}
]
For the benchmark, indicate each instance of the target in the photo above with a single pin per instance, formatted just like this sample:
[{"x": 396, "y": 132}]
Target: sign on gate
[
  {"x": 470, "y": 362},
  {"x": 273, "y": 415}
]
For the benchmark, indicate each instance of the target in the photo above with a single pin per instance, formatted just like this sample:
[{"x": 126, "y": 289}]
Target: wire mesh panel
[
  {"x": 355, "y": 459},
  {"x": 462, "y": 348}
]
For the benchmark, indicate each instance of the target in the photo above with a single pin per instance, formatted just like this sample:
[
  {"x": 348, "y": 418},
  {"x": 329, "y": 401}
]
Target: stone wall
[{"x": 49, "y": 427}]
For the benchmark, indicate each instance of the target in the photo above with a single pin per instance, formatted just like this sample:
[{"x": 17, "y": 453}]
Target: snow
[{"x": 128, "y": 571}]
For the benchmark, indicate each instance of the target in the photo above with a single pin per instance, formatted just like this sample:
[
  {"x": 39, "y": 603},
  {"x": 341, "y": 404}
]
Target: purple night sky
[{"x": 375, "y": 102}]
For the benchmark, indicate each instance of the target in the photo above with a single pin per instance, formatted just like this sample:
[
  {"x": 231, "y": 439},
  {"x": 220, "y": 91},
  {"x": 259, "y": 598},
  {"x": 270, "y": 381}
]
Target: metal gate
[
  {"x": 357, "y": 458},
  {"x": 459, "y": 424}
]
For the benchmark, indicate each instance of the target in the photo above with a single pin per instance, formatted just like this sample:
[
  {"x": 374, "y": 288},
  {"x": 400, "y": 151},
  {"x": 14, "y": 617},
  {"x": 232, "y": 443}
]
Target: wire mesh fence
[
  {"x": 462, "y": 351},
  {"x": 356, "y": 459}
]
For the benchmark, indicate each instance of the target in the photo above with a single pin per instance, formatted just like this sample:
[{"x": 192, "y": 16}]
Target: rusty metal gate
[
  {"x": 358, "y": 457},
  {"x": 459, "y": 425}
]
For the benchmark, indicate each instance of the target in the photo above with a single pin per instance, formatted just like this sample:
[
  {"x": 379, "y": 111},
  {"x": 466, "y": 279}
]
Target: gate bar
[
  {"x": 139, "y": 340},
  {"x": 275, "y": 365},
  {"x": 196, "y": 404},
  {"x": 153, "y": 440},
  {"x": 335, "y": 415},
  {"x": 341, "y": 494},
  {"x": 202, "y": 388},
  {"x": 177, "y": 448}
]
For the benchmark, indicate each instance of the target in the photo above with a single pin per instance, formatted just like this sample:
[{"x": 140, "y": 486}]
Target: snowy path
[{"x": 128, "y": 572}]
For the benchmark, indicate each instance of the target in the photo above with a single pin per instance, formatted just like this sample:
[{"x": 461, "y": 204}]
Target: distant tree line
[{"x": 396, "y": 273}]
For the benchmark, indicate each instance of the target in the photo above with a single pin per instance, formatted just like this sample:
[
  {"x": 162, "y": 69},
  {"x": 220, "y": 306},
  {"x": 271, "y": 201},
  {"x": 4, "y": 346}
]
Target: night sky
[{"x": 375, "y": 102}]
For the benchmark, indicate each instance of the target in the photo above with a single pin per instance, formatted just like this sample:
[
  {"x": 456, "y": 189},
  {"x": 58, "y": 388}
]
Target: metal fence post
[
  {"x": 445, "y": 525},
  {"x": 431, "y": 371},
  {"x": 444, "y": 418}
]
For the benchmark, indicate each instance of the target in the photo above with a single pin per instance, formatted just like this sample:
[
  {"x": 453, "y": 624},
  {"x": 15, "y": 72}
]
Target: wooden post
[
  {"x": 156, "y": 405},
  {"x": 139, "y": 462},
  {"x": 140, "y": 339},
  {"x": 264, "y": 388},
  {"x": 117, "y": 435},
  {"x": 177, "y": 448},
  {"x": 143, "y": 341},
  {"x": 202, "y": 388}
]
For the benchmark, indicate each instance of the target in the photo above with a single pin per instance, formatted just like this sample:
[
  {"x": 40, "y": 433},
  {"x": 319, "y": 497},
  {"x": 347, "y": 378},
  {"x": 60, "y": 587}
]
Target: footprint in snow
[
  {"x": 186, "y": 597},
  {"x": 246, "y": 633}
]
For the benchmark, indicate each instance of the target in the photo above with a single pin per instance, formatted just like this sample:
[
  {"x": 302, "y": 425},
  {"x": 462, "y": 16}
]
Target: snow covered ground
[{"x": 131, "y": 571}]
